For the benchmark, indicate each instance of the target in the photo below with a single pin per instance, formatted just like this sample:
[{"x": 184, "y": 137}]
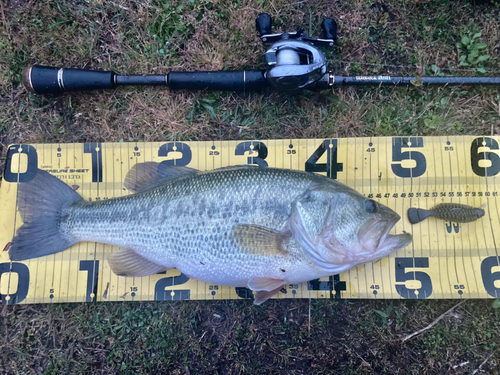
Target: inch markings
[{"x": 399, "y": 171}]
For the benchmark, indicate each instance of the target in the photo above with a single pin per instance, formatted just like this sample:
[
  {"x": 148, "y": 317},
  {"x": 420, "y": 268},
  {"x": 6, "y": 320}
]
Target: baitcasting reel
[{"x": 293, "y": 60}]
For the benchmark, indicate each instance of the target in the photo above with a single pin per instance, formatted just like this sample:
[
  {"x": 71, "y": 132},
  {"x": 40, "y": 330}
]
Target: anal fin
[
  {"x": 265, "y": 287},
  {"x": 128, "y": 263},
  {"x": 262, "y": 296},
  {"x": 265, "y": 283}
]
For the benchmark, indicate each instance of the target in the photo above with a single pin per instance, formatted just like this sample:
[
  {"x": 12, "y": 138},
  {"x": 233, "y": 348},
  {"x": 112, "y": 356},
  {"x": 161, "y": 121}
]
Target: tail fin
[
  {"x": 416, "y": 215},
  {"x": 41, "y": 202}
]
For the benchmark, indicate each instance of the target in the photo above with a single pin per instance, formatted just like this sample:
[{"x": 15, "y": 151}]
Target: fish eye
[{"x": 371, "y": 206}]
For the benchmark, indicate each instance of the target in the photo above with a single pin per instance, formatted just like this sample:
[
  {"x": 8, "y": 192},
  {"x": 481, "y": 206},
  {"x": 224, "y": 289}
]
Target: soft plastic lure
[{"x": 456, "y": 212}]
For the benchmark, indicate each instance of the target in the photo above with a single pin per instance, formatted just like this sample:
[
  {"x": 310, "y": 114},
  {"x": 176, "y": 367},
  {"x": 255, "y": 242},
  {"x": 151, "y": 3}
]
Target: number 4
[{"x": 331, "y": 167}]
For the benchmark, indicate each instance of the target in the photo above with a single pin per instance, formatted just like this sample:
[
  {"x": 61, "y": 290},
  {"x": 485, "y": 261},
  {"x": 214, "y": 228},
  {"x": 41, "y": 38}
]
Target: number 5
[
  {"x": 402, "y": 276},
  {"x": 397, "y": 155}
]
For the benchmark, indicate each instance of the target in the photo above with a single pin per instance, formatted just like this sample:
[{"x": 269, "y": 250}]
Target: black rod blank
[
  {"x": 143, "y": 80},
  {"x": 388, "y": 80}
]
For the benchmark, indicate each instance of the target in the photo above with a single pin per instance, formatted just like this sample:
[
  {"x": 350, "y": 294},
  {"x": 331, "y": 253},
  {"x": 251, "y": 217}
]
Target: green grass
[
  {"x": 235, "y": 337},
  {"x": 156, "y": 36}
]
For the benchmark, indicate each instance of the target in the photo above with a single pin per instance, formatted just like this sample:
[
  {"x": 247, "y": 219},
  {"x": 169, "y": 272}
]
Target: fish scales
[
  {"x": 261, "y": 228},
  {"x": 188, "y": 221}
]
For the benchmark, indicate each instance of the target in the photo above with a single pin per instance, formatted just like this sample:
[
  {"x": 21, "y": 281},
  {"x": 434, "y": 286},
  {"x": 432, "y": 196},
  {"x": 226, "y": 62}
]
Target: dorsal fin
[
  {"x": 147, "y": 175},
  {"x": 238, "y": 166}
]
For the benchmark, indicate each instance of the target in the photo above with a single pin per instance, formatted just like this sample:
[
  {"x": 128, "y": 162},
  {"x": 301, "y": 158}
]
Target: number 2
[
  {"x": 163, "y": 294},
  {"x": 183, "y": 148}
]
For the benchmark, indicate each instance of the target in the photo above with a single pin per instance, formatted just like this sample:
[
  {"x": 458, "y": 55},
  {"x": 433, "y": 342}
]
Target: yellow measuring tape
[{"x": 445, "y": 260}]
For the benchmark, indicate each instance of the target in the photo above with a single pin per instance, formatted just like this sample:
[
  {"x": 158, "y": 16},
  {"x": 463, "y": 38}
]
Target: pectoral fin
[
  {"x": 254, "y": 239},
  {"x": 128, "y": 263}
]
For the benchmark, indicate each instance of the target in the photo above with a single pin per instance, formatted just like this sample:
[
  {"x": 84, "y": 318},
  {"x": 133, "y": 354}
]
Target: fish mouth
[{"x": 374, "y": 236}]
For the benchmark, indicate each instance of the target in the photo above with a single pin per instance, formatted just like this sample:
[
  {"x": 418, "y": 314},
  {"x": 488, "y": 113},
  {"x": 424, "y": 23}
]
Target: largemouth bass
[{"x": 244, "y": 226}]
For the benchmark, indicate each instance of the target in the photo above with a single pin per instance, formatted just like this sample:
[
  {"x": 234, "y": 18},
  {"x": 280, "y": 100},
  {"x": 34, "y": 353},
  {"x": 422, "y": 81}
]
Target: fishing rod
[{"x": 294, "y": 62}]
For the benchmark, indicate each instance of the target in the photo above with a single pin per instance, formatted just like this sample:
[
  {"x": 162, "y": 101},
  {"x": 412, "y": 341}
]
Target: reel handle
[
  {"x": 264, "y": 24},
  {"x": 49, "y": 80},
  {"x": 329, "y": 27}
]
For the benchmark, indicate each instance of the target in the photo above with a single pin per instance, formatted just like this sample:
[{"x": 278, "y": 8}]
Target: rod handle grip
[
  {"x": 40, "y": 79},
  {"x": 229, "y": 80}
]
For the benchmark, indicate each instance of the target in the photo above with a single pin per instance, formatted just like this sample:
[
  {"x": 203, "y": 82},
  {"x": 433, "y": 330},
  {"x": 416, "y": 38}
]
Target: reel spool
[{"x": 294, "y": 60}]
